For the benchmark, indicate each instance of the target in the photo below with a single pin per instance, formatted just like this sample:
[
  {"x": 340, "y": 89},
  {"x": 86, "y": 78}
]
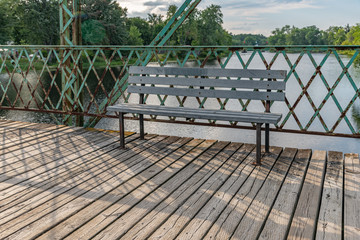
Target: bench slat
[
  {"x": 247, "y": 84},
  {"x": 210, "y": 72},
  {"x": 224, "y": 115},
  {"x": 273, "y": 96}
]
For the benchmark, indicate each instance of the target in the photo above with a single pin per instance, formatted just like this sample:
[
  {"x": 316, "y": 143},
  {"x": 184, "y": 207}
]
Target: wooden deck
[{"x": 60, "y": 182}]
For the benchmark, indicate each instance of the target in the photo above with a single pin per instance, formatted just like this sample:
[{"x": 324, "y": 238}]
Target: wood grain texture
[
  {"x": 331, "y": 210},
  {"x": 304, "y": 222},
  {"x": 72, "y": 183},
  {"x": 256, "y": 215},
  {"x": 279, "y": 219},
  {"x": 351, "y": 197},
  {"x": 211, "y": 72}
]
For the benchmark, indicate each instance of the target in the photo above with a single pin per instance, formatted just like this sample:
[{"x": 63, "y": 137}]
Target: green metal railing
[{"x": 322, "y": 96}]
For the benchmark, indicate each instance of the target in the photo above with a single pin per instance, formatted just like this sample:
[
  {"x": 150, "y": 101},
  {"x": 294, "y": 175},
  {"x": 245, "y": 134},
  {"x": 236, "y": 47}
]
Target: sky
[{"x": 263, "y": 16}]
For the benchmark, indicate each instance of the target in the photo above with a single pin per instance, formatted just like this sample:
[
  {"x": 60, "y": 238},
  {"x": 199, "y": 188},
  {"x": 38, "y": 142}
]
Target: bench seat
[{"x": 225, "y": 115}]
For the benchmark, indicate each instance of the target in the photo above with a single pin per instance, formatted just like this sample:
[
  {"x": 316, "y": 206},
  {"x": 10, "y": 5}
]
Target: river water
[{"x": 305, "y": 69}]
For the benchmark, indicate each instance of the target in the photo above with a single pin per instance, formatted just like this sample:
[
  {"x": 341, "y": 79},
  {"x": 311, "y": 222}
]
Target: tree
[
  {"x": 5, "y": 22},
  {"x": 143, "y": 27},
  {"x": 279, "y": 36},
  {"x": 240, "y": 39},
  {"x": 250, "y": 40},
  {"x": 156, "y": 24},
  {"x": 313, "y": 35},
  {"x": 353, "y": 38},
  {"x": 210, "y": 31},
  {"x": 334, "y": 35},
  {"x": 171, "y": 11},
  {"x": 104, "y": 15},
  {"x": 37, "y": 22},
  {"x": 135, "y": 36}
]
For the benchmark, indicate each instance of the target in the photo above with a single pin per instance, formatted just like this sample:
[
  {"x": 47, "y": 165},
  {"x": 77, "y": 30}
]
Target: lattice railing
[{"x": 322, "y": 97}]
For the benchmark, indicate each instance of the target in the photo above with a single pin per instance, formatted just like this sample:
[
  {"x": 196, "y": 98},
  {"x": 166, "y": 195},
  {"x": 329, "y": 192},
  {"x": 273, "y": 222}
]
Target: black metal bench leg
[
  {"x": 141, "y": 121},
  {"x": 122, "y": 130},
  {"x": 258, "y": 144},
  {"x": 267, "y": 137}
]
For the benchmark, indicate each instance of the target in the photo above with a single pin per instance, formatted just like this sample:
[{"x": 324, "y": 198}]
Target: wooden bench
[{"x": 209, "y": 83}]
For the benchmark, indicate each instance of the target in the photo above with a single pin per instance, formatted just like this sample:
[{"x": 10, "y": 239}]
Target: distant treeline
[
  {"x": 310, "y": 35},
  {"x": 36, "y": 22}
]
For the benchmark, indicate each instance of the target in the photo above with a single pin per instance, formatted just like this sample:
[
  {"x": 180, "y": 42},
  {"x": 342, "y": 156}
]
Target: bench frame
[{"x": 140, "y": 76}]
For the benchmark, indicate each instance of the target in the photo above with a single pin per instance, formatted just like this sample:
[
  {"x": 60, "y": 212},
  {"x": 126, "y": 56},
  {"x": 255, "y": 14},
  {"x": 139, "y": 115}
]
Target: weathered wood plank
[
  {"x": 179, "y": 220},
  {"x": 211, "y": 72},
  {"x": 203, "y": 220},
  {"x": 272, "y": 96},
  {"x": 65, "y": 183},
  {"x": 185, "y": 154},
  {"x": 28, "y": 140},
  {"x": 246, "y": 84},
  {"x": 40, "y": 189},
  {"x": 40, "y": 153},
  {"x": 120, "y": 227},
  {"x": 351, "y": 197},
  {"x": 207, "y": 148},
  {"x": 230, "y": 172},
  {"x": 331, "y": 212},
  {"x": 304, "y": 222},
  {"x": 52, "y": 167},
  {"x": 229, "y": 218},
  {"x": 225, "y": 115},
  {"x": 257, "y": 213},
  {"x": 278, "y": 221},
  {"x": 45, "y": 149},
  {"x": 90, "y": 194},
  {"x": 24, "y": 132},
  {"x": 148, "y": 189}
]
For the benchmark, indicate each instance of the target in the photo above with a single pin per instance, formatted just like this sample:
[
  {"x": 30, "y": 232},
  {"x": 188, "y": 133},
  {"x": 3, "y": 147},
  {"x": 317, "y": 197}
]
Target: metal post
[
  {"x": 70, "y": 21},
  {"x": 141, "y": 119},
  {"x": 122, "y": 130},
  {"x": 77, "y": 40},
  {"x": 258, "y": 144},
  {"x": 267, "y": 137},
  {"x": 267, "y": 126}
]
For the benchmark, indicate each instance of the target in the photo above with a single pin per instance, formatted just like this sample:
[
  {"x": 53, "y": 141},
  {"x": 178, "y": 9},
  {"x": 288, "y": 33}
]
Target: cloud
[
  {"x": 155, "y": 3},
  {"x": 239, "y": 15},
  {"x": 144, "y": 7},
  {"x": 259, "y": 7},
  {"x": 246, "y": 16}
]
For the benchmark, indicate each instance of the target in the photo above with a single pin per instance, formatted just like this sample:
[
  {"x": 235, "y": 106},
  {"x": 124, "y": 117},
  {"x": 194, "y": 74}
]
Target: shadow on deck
[{"x": 61, "y": 182}]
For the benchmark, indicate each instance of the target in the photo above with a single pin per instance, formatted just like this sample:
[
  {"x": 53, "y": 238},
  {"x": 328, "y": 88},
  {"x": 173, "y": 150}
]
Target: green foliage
[
  {"x": 6, "y": 20},
  {"x": 249, "y": 39},
  {"x": 36, "y": 22},
  {"x": 135, "y": 36},
  {"x": 201, "y": 28},
  {"x": 353, "y": 38},
  {"x": 104, "y": 15},
  {"x": 93, "y": 32},
  {"x": 335, "y": 35},
  {"x": 143, "y": 26},
  {"x": 287, "y": 35},
  {"x": 105, "y": 22}
]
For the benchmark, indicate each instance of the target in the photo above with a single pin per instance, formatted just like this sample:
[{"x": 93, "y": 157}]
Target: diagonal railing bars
[
  {"x": 69, "y": 17},
  {"x": 322, "y": 96}
]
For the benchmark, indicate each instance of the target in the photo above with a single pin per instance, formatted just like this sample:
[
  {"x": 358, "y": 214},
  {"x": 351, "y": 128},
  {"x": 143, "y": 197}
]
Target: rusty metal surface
[{"x": 31, "y": 80}]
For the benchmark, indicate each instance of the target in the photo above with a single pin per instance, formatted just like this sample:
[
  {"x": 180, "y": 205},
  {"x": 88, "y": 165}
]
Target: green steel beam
[
  {"x": 163, "y": 36},
  {"x": 70, "y": 35}
]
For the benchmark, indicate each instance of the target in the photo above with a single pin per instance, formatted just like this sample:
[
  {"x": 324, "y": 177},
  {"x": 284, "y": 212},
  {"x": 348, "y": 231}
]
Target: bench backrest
[{"x": 208, "y": 82}]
